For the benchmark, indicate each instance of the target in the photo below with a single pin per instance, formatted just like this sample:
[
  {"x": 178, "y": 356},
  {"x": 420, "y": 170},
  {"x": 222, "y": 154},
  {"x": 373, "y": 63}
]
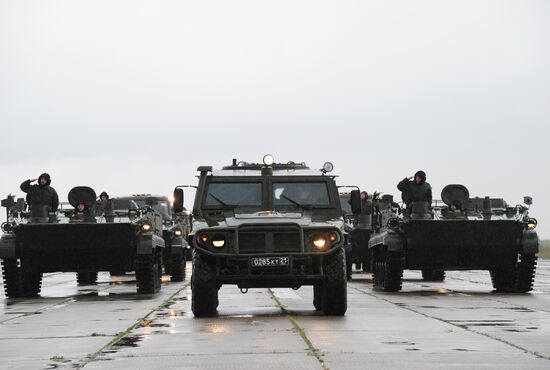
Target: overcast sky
[{"x": 131, "y": 96}]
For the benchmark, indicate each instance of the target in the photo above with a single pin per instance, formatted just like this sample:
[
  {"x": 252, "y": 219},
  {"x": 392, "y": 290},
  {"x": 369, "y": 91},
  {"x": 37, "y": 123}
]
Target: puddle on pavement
[
  {"x": 486, "y": 323},
  {"x": 172, "y": 314},
  {"x": 129, "y": 341},
  {"x": 400, "y": 343},
  {"x": 179, "y": 299}
]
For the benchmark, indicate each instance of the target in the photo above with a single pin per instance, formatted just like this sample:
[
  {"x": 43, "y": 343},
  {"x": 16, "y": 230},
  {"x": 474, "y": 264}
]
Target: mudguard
[
  {"x": 7, "y": 246},
  {"x": 391, "y": 239},
  {"x": 177, "y": 245},
  {"x": 148, "y": 242},
  {"x": 530, "y": 242}
]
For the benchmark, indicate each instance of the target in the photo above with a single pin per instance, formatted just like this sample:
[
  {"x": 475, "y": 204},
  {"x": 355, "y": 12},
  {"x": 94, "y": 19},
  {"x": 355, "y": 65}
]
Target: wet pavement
[{"x": 457, "y": 324}]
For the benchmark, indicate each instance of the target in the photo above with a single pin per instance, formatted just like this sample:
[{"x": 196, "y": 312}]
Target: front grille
[
  {"x": 251, "y": 242},
  {"x": 287, "y": 242},
  {"x": 269, "y": 239}
]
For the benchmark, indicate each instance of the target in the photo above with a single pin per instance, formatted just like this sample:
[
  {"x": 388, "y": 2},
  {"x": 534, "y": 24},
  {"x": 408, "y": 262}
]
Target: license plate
[{"x": 270, "y": 261}]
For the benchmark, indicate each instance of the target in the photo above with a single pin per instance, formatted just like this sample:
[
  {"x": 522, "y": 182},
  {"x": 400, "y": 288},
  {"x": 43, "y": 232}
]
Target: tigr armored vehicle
[
  {"x": 175, "y": 231},
  {"x": 265, "y": 226},
  {"x": 114, "y": 235},
  {"x": 358, "y": 226},
  {"x": 461, "y": 233}
]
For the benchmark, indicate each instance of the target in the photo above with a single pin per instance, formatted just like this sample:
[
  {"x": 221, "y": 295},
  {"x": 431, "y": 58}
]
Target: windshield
[
  {"x": 301, "y": 194},
  {"x": 344, "y": 202},
  {"x": 234, "y": 194},
  {"x": 161, "y": 206}
]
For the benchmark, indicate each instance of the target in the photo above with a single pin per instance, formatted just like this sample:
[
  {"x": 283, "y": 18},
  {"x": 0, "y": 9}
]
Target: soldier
[
  {"x": 415, "y": 189},
  {"x": 41, "y": 194},
  {"x": 101, "y": 204}
]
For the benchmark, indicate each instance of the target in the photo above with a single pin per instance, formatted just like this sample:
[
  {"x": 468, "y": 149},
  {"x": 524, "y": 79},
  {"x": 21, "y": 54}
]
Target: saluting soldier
[
  {"x": 415, "y": 189},
  {"x": 41, "y": 194}
]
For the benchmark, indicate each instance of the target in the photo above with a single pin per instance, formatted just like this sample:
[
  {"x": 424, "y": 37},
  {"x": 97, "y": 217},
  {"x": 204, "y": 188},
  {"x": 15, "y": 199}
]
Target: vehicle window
[
  {"x": 234, "y": 194},
  {"x": 344, "y": 202},
  {"x": 301, "y": 193}
]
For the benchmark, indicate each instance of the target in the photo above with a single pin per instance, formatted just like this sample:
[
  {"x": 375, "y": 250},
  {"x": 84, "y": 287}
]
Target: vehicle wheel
[
  {"x": 204, "y": 287},
  {"x": 32, "y": 284},
  {"x": 177, "y": 266},
  {"x": 388, "y": 272},
  {"x": 318, "y": 296},
  {"x": 349, "y": 265},
  {"x": 335, "y": 294},
  {"x": 518, "y": 278},
  {"x": 117, "y": 273},
  {"x": 148, "y": 276},
  {"x": 188, "y": 254},
  {"x": 11, "y": 272},
  {"x": 366, "y": 265},
  {"x": 86, "y": 277},
  {"x": 433, "y": 275}
]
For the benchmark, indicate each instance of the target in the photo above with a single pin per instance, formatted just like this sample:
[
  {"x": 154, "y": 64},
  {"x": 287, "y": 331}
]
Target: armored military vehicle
[
  {"x": 175, "y": 231},
  {"x": 88, "y": 238},
  {"x": 267, "y": 225},
  {"x": 358, "y": 226},
  {"x": 459, "y": 233}
]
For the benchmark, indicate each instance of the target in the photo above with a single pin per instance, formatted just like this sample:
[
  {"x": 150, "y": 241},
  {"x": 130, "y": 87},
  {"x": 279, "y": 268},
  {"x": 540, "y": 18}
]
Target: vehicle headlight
[
  {"x": 319, "y": 241},
  {"x": 268, "y": 160},
  {"x": 203, "y": 239},
  {"x": 532, "y": 223},
  {"x": 7, "y": 227},
  {"x": 393, "y": 223},
  {"x": 146, "y": 226},
  {"x": 178, "y": 232},
  {"x": 333, "y": 237},
  {"x": 218, "y": 241}
]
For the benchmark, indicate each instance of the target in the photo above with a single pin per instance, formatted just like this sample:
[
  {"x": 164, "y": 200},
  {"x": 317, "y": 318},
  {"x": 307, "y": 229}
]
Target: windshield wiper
[
  {"x": 218, "y": 199},
  {"x": 292, "y": 201}
]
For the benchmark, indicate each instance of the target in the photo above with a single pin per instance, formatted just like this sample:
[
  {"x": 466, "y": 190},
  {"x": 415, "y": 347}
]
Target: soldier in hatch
[
  {"x": 41, "y": 194},
  {"x": 415, "y": 189}
]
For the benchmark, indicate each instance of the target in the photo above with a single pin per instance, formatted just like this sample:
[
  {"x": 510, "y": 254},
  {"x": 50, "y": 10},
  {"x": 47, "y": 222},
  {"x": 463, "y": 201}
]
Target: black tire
[
  {"x": 86, "y": 277},
  {"x": 188, "y": 254},
  {"x": 318, "y": 296},
  {"x": 518, "y": 278},
  {"x": 148, "y": 275},
  {"x": 433, "y": 275},
  {"x": 177, "y": 266},
  {"x": 349, "y": 265},
  {"x": 11, "y": 272},
  {"x": 204, "y": 287},
  {"x": 388, "y": 271},
  {"x": 335, "y": 293},
  {"x": 366, "y": 265},
  {"x": 32, "y": 284}
]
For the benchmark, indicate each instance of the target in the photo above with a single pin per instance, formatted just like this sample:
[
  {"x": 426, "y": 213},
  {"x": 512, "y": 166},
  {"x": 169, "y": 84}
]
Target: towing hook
[{"x": 244, "y": 290}]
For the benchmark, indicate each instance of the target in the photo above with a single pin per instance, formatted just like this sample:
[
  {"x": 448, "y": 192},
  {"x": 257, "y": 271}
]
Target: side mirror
[
  {"x": 528, "y": 200},
  {"x": 355, "y": 201},
  {"x": 178, "y": 200}
]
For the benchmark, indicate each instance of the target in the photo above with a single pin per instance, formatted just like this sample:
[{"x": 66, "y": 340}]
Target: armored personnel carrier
[
  {"x": 459, "y": 233},
  {"x": 265, "y": 226},
  {"x": 175, "y": 231},
  {"x": 90, "y": 237}
]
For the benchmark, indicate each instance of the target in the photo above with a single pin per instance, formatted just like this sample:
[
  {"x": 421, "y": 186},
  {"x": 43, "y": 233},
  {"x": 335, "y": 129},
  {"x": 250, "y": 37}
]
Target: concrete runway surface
[{"x": 457, "y": 324}]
